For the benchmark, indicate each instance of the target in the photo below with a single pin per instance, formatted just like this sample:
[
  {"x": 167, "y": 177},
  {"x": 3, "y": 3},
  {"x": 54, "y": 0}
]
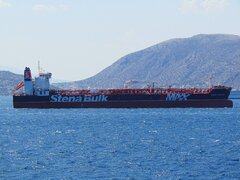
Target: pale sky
[{"x": 75, "y": 39}]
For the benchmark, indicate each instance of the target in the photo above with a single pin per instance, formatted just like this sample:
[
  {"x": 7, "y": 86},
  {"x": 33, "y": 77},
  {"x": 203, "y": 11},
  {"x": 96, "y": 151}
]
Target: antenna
[
  {"x": 39, "y": 68},
  {"x": 210, "y": 81}
]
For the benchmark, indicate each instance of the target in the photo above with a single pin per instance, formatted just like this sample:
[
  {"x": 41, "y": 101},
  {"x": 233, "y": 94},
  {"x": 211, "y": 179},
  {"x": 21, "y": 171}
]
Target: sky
[{"x": 75, "y": 39}]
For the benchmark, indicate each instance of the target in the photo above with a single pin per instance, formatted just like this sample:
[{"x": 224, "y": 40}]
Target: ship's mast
[
  {"x": 210, "y": 81},
  {"x": 39, "y": 67}
]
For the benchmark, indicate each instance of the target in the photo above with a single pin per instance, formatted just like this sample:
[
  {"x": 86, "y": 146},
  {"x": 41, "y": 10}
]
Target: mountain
[
  {"x": 8, "y": 81},
  {"x": 178, "y": 62}
]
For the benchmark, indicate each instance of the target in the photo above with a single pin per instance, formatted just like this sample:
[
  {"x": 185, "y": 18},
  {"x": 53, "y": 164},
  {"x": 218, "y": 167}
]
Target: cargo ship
[{"x": 36, "y": 93}]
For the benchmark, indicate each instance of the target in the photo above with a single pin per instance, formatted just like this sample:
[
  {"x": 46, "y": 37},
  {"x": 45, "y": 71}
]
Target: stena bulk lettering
[
  {"x": 65, "y": 99},
  {"x": 76, "y": 99},
  {"x": 54, "y": 98},
  {"x": 104, "y": 98},
  {"x": 72, "y": 98},
  {"x": 99, "y": 98},
  {"x": 87, "y": 99},
  {"x": 59, "y": 98}
]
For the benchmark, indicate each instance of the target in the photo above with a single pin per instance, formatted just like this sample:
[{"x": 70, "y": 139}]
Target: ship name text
[{"x": 59, "y": 98}]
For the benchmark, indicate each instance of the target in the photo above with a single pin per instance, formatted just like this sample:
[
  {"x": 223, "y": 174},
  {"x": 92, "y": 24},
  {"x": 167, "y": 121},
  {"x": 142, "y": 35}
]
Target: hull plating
[
  {"x": 217, "y": 98},
  {"x": 129, "y": 104}
]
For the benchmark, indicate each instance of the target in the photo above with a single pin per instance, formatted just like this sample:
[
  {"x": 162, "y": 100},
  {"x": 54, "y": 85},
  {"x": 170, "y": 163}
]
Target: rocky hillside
[
  {"x": 8, "y": 81},
  {"x": 178, "y": 62}
]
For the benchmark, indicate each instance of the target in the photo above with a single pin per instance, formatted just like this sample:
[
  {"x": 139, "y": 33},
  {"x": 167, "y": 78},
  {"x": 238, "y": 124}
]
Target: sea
[{"x": 191, "y": 143}]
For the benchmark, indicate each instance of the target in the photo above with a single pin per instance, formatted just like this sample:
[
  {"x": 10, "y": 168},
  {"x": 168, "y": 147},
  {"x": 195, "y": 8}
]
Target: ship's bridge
[{"x": 42, "y": 84}]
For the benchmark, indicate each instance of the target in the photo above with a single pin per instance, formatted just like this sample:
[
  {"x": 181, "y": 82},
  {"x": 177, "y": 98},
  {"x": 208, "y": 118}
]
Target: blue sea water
[{"x": 119, "y": 143}]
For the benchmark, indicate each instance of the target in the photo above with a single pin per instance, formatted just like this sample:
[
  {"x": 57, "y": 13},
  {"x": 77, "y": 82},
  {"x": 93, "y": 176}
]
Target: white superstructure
[
  {"x": 39, "y": 87},
  {"x": 42, "y": 84}
]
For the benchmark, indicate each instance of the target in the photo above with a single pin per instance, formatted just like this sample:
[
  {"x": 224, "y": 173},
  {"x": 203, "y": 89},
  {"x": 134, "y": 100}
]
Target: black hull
[
  {"x": 217, "y": 98},
  {"x": 131, "y": 104}
]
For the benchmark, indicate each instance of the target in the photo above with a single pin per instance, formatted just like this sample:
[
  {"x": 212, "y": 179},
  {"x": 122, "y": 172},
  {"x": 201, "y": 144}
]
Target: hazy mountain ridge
[
  {"x": 8, "y": 81},
  {"x": 180, "y": 62}
]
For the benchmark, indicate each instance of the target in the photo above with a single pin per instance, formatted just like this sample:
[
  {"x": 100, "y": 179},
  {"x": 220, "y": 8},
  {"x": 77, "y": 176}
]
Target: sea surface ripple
[{"x": 119, "y": 143}]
